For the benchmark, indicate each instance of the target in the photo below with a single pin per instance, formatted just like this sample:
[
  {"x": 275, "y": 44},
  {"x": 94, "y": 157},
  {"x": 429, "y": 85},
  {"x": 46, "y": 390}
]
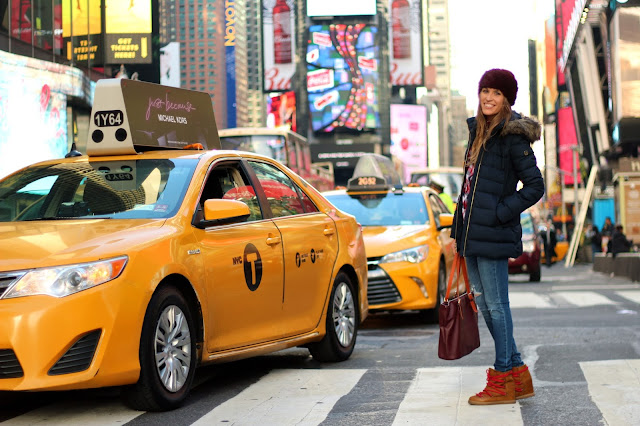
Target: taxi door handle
[
  {"x": 328, "y": 231},
  {"x": 272, "y": 241}
]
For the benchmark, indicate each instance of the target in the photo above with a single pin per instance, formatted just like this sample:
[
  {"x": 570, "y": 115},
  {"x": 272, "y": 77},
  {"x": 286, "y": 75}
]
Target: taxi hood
[
  {"x": 27, "y": 245},
  {"x": 381, "y": 240}
]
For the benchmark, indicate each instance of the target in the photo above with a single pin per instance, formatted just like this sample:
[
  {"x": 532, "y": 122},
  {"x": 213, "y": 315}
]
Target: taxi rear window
[
  {"x": 138, "y": 189},
  {"x": 383, "y": 209}
]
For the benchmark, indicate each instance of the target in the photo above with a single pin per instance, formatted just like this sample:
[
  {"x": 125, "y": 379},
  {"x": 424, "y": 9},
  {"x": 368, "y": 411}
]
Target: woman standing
[{"x": 487, "y": 222}]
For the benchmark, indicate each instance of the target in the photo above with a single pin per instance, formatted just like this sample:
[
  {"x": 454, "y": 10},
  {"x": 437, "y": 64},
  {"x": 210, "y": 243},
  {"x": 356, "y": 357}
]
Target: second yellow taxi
[{"x": 406, "y": 234}]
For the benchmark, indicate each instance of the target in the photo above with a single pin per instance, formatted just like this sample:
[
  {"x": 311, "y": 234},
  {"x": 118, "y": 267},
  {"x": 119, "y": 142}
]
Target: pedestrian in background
[
  {"x": 549, "y": 240},
  {"x": 446, "y": 198},
  {"x": 595, "y": 239},
  {"x": 619, "y": 242},
  {"x": 487, "y": 227},
  {"x": 606, "y": 233}
]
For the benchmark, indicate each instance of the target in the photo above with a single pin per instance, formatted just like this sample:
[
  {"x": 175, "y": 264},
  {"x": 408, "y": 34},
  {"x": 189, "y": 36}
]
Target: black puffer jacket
[{"x": 491, "y": 227}]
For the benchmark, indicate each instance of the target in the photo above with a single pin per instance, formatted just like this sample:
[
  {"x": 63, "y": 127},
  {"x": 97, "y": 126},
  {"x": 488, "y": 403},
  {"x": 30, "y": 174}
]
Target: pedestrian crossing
[
  {"x": 578, "y": 299},
  {"x": 435, "y": 396}
]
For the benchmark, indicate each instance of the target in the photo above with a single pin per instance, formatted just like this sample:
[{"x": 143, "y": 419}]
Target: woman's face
[{"x": 491, "y": 101}]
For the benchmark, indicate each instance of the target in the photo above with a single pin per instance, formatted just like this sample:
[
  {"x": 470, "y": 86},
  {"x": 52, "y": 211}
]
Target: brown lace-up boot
[
  {"x": 523, "y": 382},
  {"x": 500, "y": 389}
]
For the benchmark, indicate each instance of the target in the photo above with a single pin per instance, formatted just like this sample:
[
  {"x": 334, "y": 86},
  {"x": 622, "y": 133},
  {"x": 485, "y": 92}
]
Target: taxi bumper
[
  {"x": 402, "y": 286},
  {"x": 89, "y": 339}
]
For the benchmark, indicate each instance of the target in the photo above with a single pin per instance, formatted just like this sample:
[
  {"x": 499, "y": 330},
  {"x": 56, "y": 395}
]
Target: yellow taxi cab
[
  {"x": 136, "y": 263},
  {"x": 406, "y": 236}
]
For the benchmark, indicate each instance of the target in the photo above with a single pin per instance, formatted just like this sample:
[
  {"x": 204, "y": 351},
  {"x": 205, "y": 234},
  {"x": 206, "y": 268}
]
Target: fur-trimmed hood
[{"x": 528, "y": 127}]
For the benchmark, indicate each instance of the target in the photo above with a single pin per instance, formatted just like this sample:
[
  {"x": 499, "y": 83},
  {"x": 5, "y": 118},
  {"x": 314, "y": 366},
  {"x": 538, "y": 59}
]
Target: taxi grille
[
  {"x": 381, "y": 289},
  {"x": 7, "y": 279},
  {"x": 9, "y": 365},
  {"x": 79, "y": 356}
]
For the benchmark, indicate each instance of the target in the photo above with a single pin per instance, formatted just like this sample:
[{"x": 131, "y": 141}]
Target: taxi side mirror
[
  {"x": 217, "y": 212},
  {"x": 446, "y": 220}
]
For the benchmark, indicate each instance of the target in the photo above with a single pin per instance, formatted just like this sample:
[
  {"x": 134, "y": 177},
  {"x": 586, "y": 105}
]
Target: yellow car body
[
  {"x": 403, "y": 283},
  {"x": 100, "y": 254}
]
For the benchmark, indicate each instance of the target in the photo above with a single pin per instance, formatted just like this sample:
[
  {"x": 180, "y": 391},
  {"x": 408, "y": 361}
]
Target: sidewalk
[{"x": 583, "y": 272}]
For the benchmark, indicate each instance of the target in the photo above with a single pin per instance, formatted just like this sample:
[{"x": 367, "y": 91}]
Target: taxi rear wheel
[
  {"x": 342, "y": 323},
  {"x": 167, "y": 354}
]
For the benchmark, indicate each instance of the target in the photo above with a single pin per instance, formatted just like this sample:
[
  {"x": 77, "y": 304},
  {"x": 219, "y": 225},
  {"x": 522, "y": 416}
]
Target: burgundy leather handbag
[{"x": 458, "y": 317}]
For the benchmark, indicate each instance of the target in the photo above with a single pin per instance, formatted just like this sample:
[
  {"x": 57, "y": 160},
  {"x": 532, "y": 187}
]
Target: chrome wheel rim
[
  {"x": 344, "y": 315},
  {"x": 173, "y": 348}
]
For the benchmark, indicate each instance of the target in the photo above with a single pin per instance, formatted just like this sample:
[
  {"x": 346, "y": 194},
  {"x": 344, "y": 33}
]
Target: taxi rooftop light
[
  {"x": 374, "y": 172},
  {"x": 130, "y": 116}
]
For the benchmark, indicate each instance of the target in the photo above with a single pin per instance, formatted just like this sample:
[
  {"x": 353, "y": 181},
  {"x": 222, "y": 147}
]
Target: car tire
[
  {"x": 431, "y": 316},
  {"x": 167, "y": 354},
  {"x": 342, "y": 323}
]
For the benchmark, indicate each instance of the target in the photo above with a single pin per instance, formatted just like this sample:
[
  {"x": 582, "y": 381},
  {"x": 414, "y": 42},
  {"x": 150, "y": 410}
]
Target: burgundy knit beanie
[{"x": 502, "y": 80}]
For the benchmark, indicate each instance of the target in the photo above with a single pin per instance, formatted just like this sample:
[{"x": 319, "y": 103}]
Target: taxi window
[
  {"x": 228, "y": 181},
  {"x": 438, "y": 207},
  {"x": 139, "y": 189},
  {"x": 285, "y": 197},
  {"x": 383, "y": 209},
  {"x": 272, "y": 146}
]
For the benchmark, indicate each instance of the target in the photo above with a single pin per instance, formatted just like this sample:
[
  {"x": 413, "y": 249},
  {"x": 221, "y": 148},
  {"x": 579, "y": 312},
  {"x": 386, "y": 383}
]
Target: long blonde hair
[{"x": 484, "y": 129}]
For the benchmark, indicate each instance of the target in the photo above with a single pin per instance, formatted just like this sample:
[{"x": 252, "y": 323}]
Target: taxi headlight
[
  {"x": 413, "y": 255},
  {"x": 528, "y": 246},
  {"x": 63, "y": 281}
]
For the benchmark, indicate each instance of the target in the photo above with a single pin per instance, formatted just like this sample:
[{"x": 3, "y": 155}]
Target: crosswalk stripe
[
  {"x": 72, "y": 413},
  {"x": 634, "y": 296},
  {"x": 438, "y": 396},
  {"x": 613, "y": 386},
  {"x": 286, "y": 397},
  {"x": 584, "y": 298},
  {"x": 528, "y": 299}
]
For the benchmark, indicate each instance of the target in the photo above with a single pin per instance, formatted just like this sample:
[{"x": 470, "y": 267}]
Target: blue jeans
[{"x": 490, "y": 281}]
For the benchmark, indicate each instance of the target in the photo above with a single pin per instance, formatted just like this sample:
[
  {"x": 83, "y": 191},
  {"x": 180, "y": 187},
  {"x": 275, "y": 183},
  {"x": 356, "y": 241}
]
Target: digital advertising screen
[
  {"x": 340, "y": 7},
  {"x": 281, "y": 111},
  {"x": 279, "y": 43},
  {"x": 409, "y": 136},
  {"x": 342, "y": 77},
  {"x": 405, "y": 43}
]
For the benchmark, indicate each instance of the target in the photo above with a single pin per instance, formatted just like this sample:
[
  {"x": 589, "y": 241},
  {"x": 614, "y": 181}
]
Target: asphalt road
[{"x": 579, "y": 332}]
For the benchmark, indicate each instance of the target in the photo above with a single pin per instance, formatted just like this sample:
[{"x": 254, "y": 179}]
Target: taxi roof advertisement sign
[
  {"x": 129, "y": 116},
  {"x": 169, "y": 117}
]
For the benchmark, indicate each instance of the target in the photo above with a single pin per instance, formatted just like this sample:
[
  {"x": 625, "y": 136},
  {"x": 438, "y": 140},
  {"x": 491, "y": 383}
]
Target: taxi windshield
[
  {"x": 136, "y": 189},
  {"x": 383, "y": 209}
]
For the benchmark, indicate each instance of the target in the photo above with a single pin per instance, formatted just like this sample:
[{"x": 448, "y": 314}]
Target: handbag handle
[{"x": 459, "y": 265}]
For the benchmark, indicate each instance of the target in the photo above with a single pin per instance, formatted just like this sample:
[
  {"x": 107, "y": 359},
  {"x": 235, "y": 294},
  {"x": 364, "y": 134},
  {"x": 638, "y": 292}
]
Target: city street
[{"x": 578, "y": 331}]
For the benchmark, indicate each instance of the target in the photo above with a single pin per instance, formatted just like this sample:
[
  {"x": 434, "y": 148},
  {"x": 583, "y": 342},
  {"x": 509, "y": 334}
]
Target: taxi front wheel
[
  {"x": 342, "y": 323},
  {"x": 167, "y": 354}
]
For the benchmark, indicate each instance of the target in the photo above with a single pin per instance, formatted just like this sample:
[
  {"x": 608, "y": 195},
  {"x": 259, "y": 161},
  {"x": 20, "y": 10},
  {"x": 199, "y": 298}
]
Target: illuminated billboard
[
  {"x": 281, "y": 111},
  {"x": 405, "y": 43},
  {"x": 409, "y": 137},
  {"x": 126, "y": 38},
  {"x": 342, "y": 77},
  {"x": 340, "y": 7},
  {"x": 279, "y": 44},
  {"x": 127, "y": 32},
  {"x": 82, "y": 31}
]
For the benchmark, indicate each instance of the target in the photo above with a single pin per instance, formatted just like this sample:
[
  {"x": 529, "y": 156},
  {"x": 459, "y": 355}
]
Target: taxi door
[
  {"x": 243, "y": 268},
  {"x": 444, "y": 235},
  {"x": 310, "y": 244}
]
